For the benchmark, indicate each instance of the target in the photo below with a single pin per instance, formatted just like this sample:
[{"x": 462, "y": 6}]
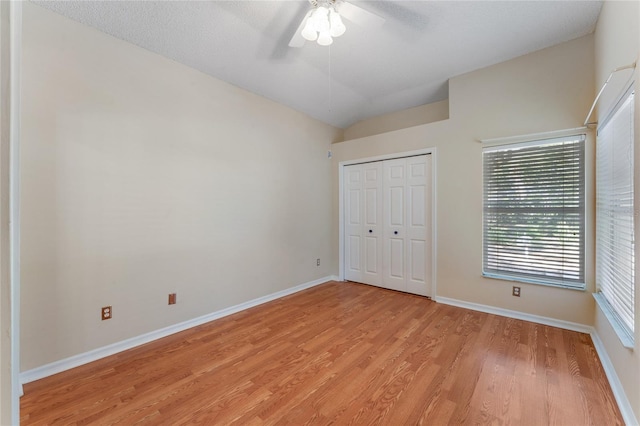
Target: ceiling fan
[{"x": 323, "y": 22}]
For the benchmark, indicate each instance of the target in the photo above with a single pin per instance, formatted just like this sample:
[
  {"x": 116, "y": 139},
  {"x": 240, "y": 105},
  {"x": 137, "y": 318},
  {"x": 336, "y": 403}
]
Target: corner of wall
[{"x": 410, "y": 117}]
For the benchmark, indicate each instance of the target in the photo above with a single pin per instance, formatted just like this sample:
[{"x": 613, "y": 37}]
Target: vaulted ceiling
[{"x": 364, "y": 73}]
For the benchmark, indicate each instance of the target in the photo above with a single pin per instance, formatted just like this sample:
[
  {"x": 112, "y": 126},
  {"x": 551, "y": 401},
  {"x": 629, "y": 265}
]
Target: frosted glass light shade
[
  {"x": 324, "y": 39},
  {"x": 321, "y": 19},
  {"x": 337, "y": 27},
  {"x": 309, "y": 32}
]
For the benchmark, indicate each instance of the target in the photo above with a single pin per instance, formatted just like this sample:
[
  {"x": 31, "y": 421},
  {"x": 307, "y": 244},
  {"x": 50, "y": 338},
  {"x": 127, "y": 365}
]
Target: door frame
[
  {"x": 10, "y": 68},
  {"x": 434, "y": 239}
]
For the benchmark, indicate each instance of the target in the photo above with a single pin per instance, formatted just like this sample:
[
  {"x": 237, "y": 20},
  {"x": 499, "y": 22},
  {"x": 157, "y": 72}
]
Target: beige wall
[
  {"x": 617, "y": 43},
  {"x": 548, "y": 90},
  {"x": 141, "y": 177},
  {"x": 410, "y": 117}
]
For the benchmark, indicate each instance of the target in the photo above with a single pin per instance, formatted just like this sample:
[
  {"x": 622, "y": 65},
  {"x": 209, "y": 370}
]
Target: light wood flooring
[{"x": 340, "y": 353}]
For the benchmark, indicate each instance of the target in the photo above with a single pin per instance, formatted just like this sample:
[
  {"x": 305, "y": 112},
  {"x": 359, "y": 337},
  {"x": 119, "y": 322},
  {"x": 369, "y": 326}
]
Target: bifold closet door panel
[
  {"x": 353, "y": 185},
  {"x": 363, "y": 229},
  {"x": 418, "y": 225},
  {"x": 372, "y": 231},
  {"x": 394, "y": 232},
  {"x": 407, "y": 224}
]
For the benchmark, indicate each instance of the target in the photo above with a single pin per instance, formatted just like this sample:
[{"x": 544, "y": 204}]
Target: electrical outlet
[
  {"x": 317, "y": 262},
  {"x": 107, "y": 313},
  {"x": 172, "y": 298},
  {"x": 516, "y": 291}
]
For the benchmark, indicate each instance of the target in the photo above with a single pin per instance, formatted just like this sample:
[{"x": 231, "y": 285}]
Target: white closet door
[
  {"x": 388, "y": 224},
  {"x": 372, "y": 231},
  {"x": 418, "y": 225},
  {"x": 353, "y": 221},
  {"x": 393, "y": 261},
  {"x": 363, "y": 214},
  {"x": 407, "y": 225}
]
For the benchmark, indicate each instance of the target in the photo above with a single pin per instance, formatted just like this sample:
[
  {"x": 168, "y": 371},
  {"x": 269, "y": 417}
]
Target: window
[
  {"x": 534, "y": 210},
  {"x": 614, "y": 218}
]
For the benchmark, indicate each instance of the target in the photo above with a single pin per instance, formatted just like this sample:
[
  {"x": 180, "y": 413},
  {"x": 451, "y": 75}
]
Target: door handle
[
  {"x": 370, "y": 230},
  {"x": 395, "y": 232}
]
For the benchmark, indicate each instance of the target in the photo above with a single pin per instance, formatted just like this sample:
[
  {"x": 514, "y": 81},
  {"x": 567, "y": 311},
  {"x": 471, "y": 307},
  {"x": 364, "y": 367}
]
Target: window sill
[
  {"x": 579, "y": 287},
  {"x": 623, "y": 334}
]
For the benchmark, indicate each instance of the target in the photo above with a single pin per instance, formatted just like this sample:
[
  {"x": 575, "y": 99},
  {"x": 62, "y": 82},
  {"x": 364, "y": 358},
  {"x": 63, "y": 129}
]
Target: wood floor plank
[{"x": 340, "y": 353}]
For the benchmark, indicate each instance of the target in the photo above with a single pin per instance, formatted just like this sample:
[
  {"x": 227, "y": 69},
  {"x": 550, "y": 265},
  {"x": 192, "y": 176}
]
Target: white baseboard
[
  {"x": 567, "y": 325},
  {"x": 616, "y": 386},
  {"x": 96, "y": 354}
]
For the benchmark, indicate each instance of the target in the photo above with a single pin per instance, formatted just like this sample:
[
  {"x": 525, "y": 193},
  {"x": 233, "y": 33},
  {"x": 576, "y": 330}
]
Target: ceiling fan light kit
[{"x": 323, "y": 23}]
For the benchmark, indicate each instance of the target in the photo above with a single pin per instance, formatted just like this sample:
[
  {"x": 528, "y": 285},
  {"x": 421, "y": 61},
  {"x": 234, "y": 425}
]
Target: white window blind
[
  {"x": 534, "y": 209},
  {"x": 614, "y": 215}
]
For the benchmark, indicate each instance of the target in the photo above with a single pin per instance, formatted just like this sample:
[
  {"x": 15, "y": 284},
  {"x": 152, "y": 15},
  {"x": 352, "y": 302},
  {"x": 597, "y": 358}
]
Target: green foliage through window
[{"x": 534, "y": 209}]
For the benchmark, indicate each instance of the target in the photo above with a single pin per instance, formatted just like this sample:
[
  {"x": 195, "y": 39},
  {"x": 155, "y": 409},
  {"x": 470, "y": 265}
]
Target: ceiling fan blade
[
  {"x": 297, "y": 40},
  {"x": 359, "y": 16}
]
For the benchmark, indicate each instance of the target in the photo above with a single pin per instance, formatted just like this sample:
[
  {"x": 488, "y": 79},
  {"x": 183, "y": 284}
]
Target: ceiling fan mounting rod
[{"x": 315, "y": 3}]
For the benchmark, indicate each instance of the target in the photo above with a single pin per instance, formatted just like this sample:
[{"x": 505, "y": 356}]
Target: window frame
[{"x": 576, "y": 284}]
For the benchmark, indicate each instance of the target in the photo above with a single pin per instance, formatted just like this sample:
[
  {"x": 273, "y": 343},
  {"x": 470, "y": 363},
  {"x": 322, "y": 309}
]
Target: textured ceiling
[{"x": 366, "y": 72}]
